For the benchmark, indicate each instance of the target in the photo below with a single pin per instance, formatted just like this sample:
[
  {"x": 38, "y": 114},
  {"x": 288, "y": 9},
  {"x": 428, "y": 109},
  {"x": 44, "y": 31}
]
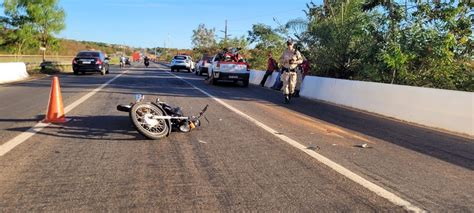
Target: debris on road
[
  {"x": 363, "y": 146},
  {"x": 200, "y": 141},
  {"x": 313, "y": 147}
]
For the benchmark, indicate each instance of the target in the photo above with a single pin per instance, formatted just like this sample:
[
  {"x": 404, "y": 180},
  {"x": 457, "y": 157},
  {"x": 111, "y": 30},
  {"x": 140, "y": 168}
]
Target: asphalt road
[{"x": 98, "y": 162}]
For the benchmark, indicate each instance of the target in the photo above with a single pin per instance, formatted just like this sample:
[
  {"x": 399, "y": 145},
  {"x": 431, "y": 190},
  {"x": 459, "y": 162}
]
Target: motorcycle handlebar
[{"x": 203, "y": 111}]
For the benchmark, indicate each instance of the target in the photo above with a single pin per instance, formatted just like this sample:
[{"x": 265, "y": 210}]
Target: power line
[{"x": 263, "y": 15}]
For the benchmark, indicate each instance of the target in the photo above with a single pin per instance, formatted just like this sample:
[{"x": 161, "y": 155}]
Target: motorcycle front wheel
[{"x": 142, "y": 118}]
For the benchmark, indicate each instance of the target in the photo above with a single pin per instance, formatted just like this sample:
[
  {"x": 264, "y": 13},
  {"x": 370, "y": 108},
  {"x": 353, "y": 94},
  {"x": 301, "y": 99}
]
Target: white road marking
[
  {"x": 11, "y": 144},
  {"x": 331, "y": 164}
]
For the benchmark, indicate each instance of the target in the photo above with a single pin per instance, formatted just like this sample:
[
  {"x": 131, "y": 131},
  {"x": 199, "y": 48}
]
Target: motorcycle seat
[{"x": 177, "y": 111}]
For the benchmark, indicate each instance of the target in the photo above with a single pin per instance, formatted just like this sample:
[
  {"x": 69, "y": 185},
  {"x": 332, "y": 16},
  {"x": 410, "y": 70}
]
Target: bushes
[{"x": 430, "y": 45}]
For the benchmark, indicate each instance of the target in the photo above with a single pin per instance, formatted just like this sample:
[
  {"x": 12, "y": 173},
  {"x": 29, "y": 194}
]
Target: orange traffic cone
[{"x": 55, "y": 112}]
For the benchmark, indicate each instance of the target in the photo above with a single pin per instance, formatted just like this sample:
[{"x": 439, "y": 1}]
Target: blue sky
[{"x": 148, "y": 23}]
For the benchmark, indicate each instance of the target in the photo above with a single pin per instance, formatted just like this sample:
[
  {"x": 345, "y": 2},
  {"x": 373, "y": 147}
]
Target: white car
[
  {"x": 202, "y": 66},
  {"x": 228, "y": 71},
  {"x": 184, "y": 62}
]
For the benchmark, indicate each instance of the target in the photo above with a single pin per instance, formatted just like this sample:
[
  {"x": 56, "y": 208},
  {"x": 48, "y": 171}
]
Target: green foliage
[
  {"x": 31, "y": 23},
  {"x": 204, "y": 43},
  {"x": 266, "y": 40},
  {"x": 337, "y": 38},
  {"x": 423, "y": 44},
  {"x": 203, "y": 40},
  {"x": 237, "y": 42}
]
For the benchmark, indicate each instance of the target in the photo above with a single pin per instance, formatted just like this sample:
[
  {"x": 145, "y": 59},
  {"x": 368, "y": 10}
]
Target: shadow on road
[
  {"x": 156, "y": 83},
  {"x": 104, "y": 128},
  {"x": 37, "y": 118},
  {"x": 451, "y": 148}
]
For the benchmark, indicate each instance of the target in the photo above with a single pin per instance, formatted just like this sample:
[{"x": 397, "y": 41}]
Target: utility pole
[
  {"x": 169, "y": 42},
  {"x": 225, "y": 32}
]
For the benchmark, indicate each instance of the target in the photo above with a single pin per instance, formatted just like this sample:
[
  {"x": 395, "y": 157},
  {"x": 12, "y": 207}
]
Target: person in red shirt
[
  {"x": 305, "y": 67},
  {"x": 303, "y": 70},
  {"x": 272, "y": 65}
]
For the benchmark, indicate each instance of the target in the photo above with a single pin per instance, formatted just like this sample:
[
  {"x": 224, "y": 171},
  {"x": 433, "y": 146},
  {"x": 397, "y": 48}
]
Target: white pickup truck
[{"x": 222, "y": 70}]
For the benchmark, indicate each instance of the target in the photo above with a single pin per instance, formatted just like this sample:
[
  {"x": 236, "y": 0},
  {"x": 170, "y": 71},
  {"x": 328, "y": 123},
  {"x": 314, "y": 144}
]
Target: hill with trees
[{"x": 67, "y": 47}]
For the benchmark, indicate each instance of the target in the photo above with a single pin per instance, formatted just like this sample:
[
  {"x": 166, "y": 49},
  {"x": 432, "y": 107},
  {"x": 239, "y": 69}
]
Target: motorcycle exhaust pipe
[{"x": 124, "y": 108}]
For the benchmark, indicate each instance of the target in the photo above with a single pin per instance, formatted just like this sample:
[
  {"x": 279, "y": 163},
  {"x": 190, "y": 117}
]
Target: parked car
[
  {"x": 229, "y": 67},
  {"x": 182, "y": 62},
  {"x": 202, "y": 66},
  {"x": 90, "y": 61}
]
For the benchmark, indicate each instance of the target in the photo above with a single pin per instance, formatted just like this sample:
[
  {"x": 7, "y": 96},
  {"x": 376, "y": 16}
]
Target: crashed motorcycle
[{"x": 156, "y": 120}]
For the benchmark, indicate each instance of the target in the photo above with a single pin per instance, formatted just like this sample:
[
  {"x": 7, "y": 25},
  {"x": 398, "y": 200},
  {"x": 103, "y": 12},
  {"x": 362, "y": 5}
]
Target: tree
[
  {"x": 264, "y": 36},
  {"x": 203, "y": 39},
  {"x": 424, "y": 43},
  {"x": 266, "y": 40},
  {"x": 32, "y": 22},
  {"x": 297, "y": 27},
  {"x": 335, "y": 38},
  {"x": 17, "y": 32}
]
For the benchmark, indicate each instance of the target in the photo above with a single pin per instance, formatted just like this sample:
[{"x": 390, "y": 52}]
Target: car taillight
[
  {"x": 248, "y": 67},
  {"x": 203, "y": 63},
  {"x": 74, "y": 61},
  {"x": 98, "y": 61}
]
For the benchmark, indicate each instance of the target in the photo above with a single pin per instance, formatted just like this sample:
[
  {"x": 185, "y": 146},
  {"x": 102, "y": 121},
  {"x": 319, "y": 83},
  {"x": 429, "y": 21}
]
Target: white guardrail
[
  {"x": 445, "y": 109},
  {"x": 13, "y": 71}
]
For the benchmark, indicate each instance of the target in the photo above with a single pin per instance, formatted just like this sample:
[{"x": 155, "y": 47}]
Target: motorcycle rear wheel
[{"x": 141, "y": 115}]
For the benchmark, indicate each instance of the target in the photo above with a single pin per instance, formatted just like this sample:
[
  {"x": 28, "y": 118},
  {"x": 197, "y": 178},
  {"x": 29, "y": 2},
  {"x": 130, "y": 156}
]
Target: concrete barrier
[
  {"x": 445, "y": 109},
  {"x": 10, "y": 72},
  {"x": 256, "y": 77}
]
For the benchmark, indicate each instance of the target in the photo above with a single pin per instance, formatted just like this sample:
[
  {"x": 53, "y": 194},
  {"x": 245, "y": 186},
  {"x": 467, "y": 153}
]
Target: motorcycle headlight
[{"x": 184, "y": 128}]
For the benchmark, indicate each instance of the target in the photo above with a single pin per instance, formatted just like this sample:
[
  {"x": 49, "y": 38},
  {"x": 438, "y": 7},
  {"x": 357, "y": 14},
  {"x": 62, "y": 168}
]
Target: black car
[{"x": 90, "y": 61}]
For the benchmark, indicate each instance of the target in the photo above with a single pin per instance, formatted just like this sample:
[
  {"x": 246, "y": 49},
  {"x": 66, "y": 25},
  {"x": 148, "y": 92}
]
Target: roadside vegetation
[
  {"x": 30, "y": 24},
  {"x": 30, "y": 27},
  {"x": 205, "y": 43},
  {"x": 416, "y": 43}
]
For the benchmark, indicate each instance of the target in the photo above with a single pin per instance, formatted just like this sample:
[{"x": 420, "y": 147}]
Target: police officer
[{"x": 289, "y": 61}]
